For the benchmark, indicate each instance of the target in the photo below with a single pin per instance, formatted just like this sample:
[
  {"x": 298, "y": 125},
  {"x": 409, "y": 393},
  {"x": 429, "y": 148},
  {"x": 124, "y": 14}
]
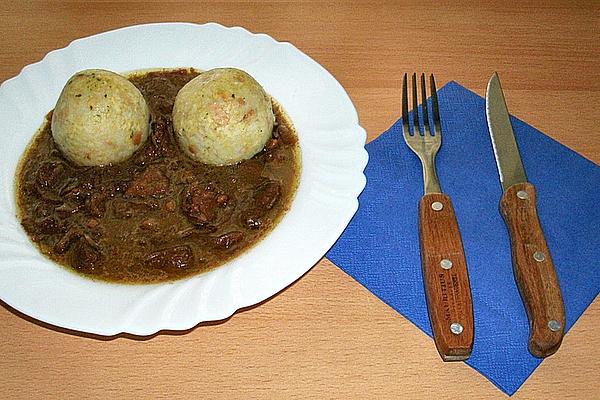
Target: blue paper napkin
[{"x": 380, "y": 247}]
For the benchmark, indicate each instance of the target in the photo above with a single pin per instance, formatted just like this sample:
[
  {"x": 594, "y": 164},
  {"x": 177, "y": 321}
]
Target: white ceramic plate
[{"x": 333, "y": 160}]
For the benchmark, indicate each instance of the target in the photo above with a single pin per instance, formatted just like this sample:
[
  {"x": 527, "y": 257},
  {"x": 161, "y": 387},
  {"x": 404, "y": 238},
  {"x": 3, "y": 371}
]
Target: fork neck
[{"x": 431, "y": 182}]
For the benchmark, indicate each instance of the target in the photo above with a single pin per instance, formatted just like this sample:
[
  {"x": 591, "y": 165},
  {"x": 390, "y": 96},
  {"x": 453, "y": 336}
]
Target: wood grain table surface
[{"x": 326, "y": 336}]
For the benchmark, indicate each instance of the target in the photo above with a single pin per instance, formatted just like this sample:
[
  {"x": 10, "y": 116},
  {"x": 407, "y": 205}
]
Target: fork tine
[
  {"x": 405, "y": 123},
  {"x": 435, "y": 108},
  {"x": 425, "y": 107},
  {"x": 415, "y": 102}
]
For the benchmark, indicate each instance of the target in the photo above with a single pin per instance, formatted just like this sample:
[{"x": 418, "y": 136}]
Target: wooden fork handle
[
  {"x": 534, "y": 270},
  {"x": 446, "y": 278}
]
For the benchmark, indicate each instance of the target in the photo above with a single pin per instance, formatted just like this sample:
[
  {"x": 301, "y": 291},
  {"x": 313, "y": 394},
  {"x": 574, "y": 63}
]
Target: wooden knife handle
[
  {"x": 446, "y": 278},
  {"x": 534, "y": 270}
]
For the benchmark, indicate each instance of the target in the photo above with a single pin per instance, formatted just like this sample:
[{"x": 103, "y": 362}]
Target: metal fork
[{"x": 445, "y": 274}]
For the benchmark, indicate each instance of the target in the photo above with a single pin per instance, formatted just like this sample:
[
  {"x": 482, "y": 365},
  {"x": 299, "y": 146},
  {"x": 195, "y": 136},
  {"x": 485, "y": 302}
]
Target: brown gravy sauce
[{"x": 158, "y": 216}]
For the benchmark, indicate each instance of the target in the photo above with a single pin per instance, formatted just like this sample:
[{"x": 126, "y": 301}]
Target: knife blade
[{"x": 534, "y": 270}]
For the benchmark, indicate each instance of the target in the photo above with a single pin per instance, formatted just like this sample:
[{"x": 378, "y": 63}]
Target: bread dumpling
[
  {"x": 222, "y": 116},
  {"x": 100, "y": 118}
]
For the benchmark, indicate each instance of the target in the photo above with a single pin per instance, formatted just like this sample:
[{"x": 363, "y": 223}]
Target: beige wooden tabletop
[{"x": 326, "y": 336}]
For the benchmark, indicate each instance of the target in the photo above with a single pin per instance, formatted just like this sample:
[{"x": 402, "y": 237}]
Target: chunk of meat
[
  {"x": 159, "y": 144},
  {"x": 68, "y": 184},
  {"x": 78, "y": 192},
  {"x": 64, "y": 243},
  {"x": 200, "y": 203},
  {"x": 67, "y": 208},
  {"x": 89, "y": 183},
  {"x": 161, "y": 137},
  {"x": 49, "y": 173},
  {"x": 46, "y": 194},
  {"x": 49, "y": 226},
  {"x": 47, "y": 181},
  {"x": 267, "y": 194},
  {"x": 229, "y": 240},
  {"x": 96, "y": 205},
  {"x": 85, "y": 257},
  {"x": 171, "y": 258},
  {"x": 152, "y": 182},
  {"x": 265, "y": 197}
]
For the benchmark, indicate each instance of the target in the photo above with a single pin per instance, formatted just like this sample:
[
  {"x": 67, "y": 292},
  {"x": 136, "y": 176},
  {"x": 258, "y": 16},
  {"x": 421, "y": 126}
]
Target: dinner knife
[{"x": 533, "y": 267}]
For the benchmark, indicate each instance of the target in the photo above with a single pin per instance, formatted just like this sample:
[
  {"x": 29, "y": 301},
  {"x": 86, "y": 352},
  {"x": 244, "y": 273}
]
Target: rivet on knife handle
[
  {"x": 534, "y": 270},
  {"x": 446, "y": 279}
]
